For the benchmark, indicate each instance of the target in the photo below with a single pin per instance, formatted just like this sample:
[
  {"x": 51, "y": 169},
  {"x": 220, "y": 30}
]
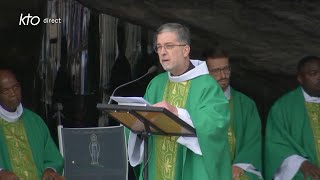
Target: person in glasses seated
[
  {"x": 293, "y": 128},
  {"x": 244, "y": 132},
  {"x": 187, "y": 90},
  {"x": 26, "y": 147}
]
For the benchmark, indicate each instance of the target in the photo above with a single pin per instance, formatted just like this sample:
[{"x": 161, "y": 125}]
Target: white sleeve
[
  {"x": 49, "y": 168},
  {"x": 136, "y": 145},
  {"x": 135, "y": 149},
  {"x": 249, "y": 168},
  {"x": 289, "y": 167},
  {"x": 191, "y": 143}
]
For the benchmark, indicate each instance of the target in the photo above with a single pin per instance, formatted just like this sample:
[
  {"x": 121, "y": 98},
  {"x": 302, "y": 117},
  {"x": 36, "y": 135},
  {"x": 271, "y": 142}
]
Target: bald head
[
  {"x": 10, "y": 91},
  {"x": 5, "y": 73}
]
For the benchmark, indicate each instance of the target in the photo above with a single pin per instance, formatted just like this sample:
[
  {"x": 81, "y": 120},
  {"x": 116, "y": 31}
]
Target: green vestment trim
[
  {"x": 313, "y": 110},
  {"x": 247, "y": 130},
  {"x": 166, "y": 147},
  {"x": 20, "y": 152},
  {"x": 231, "y": 136}
]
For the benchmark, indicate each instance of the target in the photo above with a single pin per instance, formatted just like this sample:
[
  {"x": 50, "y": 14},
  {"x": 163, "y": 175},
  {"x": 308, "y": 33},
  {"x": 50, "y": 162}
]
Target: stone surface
[{"x": 265, "y": 38}]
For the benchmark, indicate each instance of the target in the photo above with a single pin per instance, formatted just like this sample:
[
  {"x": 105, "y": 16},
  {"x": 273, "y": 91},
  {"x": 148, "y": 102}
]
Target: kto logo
[
  {"x": 35, "y": 20},
  {"x": 26, "y": 20}
]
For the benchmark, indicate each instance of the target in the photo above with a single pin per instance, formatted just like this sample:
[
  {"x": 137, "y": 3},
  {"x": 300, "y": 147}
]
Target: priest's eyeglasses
[
  {"x": 217, "y": 71},
  {"x": 166, "y": 47}
]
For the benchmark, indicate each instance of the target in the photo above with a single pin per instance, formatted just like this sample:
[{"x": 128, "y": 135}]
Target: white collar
[
  {"x": 11, "y": 116},
  {"x": 227, "y": 92},
  {"x": 199, "y": 69},
  {"x": 309, "y": 98}
]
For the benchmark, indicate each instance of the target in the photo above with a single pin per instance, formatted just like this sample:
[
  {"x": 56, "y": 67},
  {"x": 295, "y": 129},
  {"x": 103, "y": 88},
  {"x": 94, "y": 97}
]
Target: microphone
[{"x": 150, "y": 70}]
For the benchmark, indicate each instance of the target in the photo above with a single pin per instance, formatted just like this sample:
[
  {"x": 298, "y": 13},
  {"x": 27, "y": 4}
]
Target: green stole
[
  {"x": 167, "y": 149},
  {"x": 232, "y": 137},
  {"x": 313, "y": 110},
  {"x": 19, "y": 150}
]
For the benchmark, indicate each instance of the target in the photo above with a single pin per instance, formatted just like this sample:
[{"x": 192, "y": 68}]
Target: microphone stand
[
  {"x": 151, "y": 70},
  {"x": 145, "y": 134}
]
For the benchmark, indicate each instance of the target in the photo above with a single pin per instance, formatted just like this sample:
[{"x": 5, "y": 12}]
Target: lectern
[{"x": 146, "y": 121}]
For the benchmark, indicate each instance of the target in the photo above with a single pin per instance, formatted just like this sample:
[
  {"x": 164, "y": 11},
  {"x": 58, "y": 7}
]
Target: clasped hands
[
  {"x": 48, "y": 174},
  {"x": 310, "y": 170}
]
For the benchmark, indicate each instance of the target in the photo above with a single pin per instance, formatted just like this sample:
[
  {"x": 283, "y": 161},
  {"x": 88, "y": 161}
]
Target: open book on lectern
[
  {"x": 156, "y": 120},
  {"x": 130, "y": 101}
]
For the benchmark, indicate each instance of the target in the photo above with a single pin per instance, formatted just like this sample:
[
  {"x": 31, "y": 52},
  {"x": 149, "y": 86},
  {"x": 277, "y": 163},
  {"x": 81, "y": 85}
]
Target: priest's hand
[
  {"x": 7, "y": 175},
  {"x": 236, "y": 172},
  {"x": 168, "y": 106},
  {"x": 50, "y": 174},
  {"x": 309, "y": 170}
]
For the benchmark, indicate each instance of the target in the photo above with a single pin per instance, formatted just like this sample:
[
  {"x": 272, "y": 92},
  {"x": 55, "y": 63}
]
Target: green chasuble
[
  {"x": 166, "y": 147},
  {"x": 245, "y": 124},
  {"x": 208, "y": 108},
  {"x": 289, "y": 132},
  {"x": 36, "y": 152}
]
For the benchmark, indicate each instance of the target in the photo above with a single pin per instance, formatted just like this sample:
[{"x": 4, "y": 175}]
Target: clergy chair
[{"x": 97, "y": 153}]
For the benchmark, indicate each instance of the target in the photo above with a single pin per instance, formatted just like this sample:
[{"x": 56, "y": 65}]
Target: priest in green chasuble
[
  {"x": 27, "y": 151},
  {"x": 187, "y": 90},
  {"x": 244, "y": 132},
  {"x": 293, "y": 128}
]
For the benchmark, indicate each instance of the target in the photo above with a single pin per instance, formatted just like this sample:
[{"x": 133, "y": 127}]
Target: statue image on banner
[
  {"x": 94, "y": 149},
  {"x": 89, "y": 155}
]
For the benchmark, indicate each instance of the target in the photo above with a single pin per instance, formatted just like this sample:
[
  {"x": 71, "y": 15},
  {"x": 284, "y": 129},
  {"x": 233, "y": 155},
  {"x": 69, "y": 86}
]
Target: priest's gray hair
[{"x": 182, "y": 32}]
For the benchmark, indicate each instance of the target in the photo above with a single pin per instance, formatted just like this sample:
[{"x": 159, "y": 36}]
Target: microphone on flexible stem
[{"x": 150, "y": 70}]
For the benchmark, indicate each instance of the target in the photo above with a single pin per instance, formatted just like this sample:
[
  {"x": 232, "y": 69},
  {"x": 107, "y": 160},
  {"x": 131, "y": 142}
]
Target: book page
[{"x": 130, "y": 100}]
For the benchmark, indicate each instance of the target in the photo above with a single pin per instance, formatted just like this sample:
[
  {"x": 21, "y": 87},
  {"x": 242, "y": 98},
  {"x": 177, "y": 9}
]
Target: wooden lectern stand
[{"x": 146, "y": 121}]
